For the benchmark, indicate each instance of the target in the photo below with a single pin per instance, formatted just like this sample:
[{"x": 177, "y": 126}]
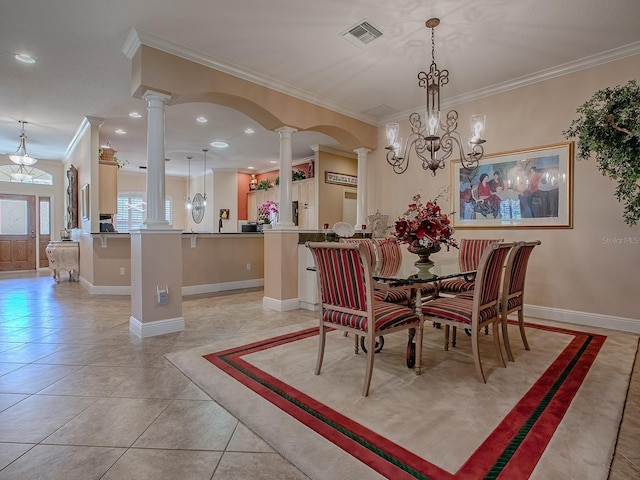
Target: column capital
[
  {"x": 96, "y": 121},
  {"x": 286, "y": 129},
  {"x": 362, "y": 151},
  {"x": 150, "y": 95}
]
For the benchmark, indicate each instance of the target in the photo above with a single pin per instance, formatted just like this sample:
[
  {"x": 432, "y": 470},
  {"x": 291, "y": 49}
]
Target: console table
[{"x": 63, "y": 255}]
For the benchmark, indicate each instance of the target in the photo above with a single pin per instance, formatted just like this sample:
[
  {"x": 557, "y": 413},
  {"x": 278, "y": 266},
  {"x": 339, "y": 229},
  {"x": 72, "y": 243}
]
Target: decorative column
[
  {"x": 361, "y": 208},
  {"x": 156, "y": 217},
  {"x": 284, "y": 200}
]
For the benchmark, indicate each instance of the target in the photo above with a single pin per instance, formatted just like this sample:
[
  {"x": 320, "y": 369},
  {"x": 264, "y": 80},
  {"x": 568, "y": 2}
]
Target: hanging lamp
[{"x": 21, "y": 157}]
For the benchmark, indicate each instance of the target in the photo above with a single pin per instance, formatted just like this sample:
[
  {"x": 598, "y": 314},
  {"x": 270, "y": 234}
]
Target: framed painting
[
  {"x": 85, "y": 201},
  {"x": 530, "y": 188}
]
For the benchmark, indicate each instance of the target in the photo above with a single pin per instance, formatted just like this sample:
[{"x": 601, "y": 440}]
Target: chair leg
[
  {"x": 370, "y": 339},
  {"x": 321, "y": 341},
  {"x": 505, "y": 337},
  {"x": 496, "y": 342},
  {"x": 521, "y": 325},
  {"x": 475, "y": 348},
  {"x": 454, "y": 334},
  {"x": 446, "y": 338},
  {"x": 355, "y": 348}
]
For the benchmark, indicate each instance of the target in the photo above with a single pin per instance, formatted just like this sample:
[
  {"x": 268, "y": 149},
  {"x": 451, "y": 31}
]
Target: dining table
[{"x": 412, "y": 276}]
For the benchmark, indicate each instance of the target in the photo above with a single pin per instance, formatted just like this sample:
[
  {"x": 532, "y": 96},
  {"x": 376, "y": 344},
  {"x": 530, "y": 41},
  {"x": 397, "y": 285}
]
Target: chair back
[
  {"x": 344, "y": 278},
  {"x": 489, "y": 277},
  {"x": 390, "y": 257},
  {"x": 515, "y": 273},
  {"x": 369, "y": 247},
  {"x": 471, "y": 250}
]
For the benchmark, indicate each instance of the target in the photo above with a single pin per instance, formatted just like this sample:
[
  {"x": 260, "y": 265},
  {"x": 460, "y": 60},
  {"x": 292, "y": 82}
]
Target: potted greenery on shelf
[{"x": 608, "y": 127}]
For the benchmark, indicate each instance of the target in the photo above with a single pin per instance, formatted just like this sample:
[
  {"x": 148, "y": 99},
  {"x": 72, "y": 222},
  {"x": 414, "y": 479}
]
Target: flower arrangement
[
  {"x": 268, "y": 211},
  {"x": 424, "y": 225}
]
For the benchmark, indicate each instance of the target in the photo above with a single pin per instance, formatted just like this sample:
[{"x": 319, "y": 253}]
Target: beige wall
[
  {"x": 590, "y": 268},
  {"x": 330, "y": 196}
]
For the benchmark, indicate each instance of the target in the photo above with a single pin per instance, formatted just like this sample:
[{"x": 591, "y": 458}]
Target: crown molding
[
  {"x": 525, "y": 80},
  {"x": 137, "y": 38}
]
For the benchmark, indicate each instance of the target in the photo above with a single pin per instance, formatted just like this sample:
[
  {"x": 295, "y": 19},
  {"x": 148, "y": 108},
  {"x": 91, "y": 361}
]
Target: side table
[{"x": 63, "y": 255}]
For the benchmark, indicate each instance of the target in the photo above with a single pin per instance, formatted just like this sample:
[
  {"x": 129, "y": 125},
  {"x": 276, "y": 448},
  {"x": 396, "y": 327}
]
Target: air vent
[{"x": 362, "y": 33}]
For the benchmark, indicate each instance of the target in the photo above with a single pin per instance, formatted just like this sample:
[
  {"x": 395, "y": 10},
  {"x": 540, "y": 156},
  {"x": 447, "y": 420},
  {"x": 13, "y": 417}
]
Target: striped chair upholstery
[
  {"x": 390, "y": 260},
  {"x": 370, "y": 248},
  {"x": 512, "y": 296},
  {"x": 468, "y": 258},
  {"x": 481, "y": 310},
  {"x": 347, "y": 303}
]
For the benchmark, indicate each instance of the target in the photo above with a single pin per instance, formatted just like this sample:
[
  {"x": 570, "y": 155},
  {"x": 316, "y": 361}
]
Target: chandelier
[
  {"x": 425, "y": 140},
  {"x": 21, "y": 157}
]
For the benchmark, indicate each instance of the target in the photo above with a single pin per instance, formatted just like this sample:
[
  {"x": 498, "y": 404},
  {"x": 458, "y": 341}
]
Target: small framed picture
[
  {"x": 224, "y": 213},
  {"x": 85, "y": 201}
]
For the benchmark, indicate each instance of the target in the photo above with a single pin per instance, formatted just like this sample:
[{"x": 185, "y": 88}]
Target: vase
[{"x": 424, "y": 253}]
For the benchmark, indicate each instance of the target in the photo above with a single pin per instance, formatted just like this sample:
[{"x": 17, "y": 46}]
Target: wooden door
[{"x": 17, "y": 232}]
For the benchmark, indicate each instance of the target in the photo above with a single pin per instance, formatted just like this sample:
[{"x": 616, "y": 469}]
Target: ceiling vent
[{"x": 362, "y": 33}]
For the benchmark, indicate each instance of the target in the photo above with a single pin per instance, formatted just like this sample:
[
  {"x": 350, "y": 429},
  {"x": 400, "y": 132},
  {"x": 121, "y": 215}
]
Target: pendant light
[
  {"x": 21, "y": 157},
  {"x": 188, "y": 203}
]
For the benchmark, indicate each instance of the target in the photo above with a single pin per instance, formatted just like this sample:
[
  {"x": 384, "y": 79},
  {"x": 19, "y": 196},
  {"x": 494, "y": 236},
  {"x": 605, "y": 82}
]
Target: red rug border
[{"x": 394, "y": 461}]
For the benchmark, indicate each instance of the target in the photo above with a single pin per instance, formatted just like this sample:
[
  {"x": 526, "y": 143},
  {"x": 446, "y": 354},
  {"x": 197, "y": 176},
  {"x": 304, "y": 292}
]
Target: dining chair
[
  {"x": 471, "y": 250},
  {"x": 370, "y": 249},
  {"x": 390, "y": 260},
  {"x": 345, "y": 291},
  {"x": 512, "y": 296},
  {"x": 478, "y": 311}
]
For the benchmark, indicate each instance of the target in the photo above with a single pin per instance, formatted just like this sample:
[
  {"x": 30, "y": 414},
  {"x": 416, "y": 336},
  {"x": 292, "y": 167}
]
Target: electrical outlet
[
  {"x": 122, "y": 271},
  {"x": 248, "y": 266}
]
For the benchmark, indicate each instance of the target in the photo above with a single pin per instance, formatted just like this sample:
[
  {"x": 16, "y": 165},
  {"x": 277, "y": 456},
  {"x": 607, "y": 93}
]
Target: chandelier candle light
[
  {"x": 430, "y": 147},
  {"x": 22, "y": 158}
]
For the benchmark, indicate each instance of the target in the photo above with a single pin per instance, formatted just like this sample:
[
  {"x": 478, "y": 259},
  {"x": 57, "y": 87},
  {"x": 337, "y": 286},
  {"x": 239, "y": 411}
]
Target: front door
[{"x": 17, "y": 232}]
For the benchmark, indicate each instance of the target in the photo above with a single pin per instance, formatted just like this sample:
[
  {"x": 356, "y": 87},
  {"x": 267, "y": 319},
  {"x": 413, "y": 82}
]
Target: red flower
[{"x": 424, "y": 225}]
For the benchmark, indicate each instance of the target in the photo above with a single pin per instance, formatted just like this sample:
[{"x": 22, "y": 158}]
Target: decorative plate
[
  {"x": 197, "y": 212},
  {"x": 343, "y": 229}
]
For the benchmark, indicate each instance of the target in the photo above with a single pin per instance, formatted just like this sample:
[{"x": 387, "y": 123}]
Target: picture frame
[
  {"x": 224, "y": 213},
  {"x": 528, "y": 188},
  {"x": 341, "y": 179},
  {"x": 85, "y": 201}
]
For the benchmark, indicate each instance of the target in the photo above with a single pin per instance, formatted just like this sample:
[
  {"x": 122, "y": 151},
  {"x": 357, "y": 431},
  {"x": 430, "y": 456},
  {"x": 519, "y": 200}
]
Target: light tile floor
[{"x": 82, "y": 398}]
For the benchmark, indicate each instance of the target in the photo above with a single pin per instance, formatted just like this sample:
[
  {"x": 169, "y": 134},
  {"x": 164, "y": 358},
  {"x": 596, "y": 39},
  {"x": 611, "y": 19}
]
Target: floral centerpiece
[
  {"x": 268, "y": 211},
  {"x": 424, "y": 228}
]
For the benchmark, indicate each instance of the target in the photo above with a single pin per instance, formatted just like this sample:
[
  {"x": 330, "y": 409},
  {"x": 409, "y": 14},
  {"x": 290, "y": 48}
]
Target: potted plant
[
  {"x": 268, "y": 213},
  {"x": 608, "y": 128}
]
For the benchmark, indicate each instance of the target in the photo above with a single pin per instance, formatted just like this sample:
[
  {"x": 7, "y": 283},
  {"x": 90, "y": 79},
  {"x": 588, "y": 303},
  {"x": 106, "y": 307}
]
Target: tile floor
[{"x": 82, "y": 398}]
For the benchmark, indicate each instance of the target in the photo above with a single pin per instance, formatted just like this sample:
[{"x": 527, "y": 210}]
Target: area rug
[{"x": 553, "y": 413}]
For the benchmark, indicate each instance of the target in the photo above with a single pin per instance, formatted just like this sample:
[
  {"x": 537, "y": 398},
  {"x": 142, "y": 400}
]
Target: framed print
[
  {"x": 530, "y": 188},
  {"x": 224, "y": 213},
  {"x": 341, "y": 179},
  {"x": 85, "y": 201}
]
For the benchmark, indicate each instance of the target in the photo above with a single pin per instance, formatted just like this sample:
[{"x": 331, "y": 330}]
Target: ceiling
[{"x": 294, "y": 46}]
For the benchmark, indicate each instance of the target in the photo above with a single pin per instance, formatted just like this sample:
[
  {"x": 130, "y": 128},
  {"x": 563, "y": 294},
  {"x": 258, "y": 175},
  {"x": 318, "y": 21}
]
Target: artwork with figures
[
  {"x": 527, "y": 188},
  {"x": 72, "y": 198}
]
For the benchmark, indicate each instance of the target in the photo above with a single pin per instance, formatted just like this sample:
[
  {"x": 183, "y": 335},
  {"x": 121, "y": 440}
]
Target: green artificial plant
[{"x": 608, "y": 128}]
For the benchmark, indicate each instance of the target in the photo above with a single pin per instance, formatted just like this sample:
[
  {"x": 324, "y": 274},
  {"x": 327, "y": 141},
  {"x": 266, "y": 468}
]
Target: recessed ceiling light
[
  {"x": 135, "y": 115},
  {"x": 249, "y": 131},
  {"x": 202, "y": 119},
  {"x": 121, "y": 131},
  {"x": 272, "y": 161},
  {"x": 251, "y": 168},
  {"x": 219, "y": 144},
  {"x": 24, "y": 58}
]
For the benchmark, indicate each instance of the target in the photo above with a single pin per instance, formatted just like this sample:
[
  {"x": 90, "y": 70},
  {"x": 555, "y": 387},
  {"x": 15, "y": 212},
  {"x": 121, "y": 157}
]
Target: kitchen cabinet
[{"x": 108, "y": 188}]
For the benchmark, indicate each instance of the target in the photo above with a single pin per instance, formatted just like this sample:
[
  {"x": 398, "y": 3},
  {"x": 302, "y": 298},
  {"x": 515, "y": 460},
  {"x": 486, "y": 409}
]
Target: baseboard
[
  {"x": 623, "y": 324},
  {"x": 222, "y": 287},
  {"x": 152, "y": 329},
  {"x": 191, "y": 290},
  {"x": 280, "y": 305},
  {"x": 309, "y": 306}
]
